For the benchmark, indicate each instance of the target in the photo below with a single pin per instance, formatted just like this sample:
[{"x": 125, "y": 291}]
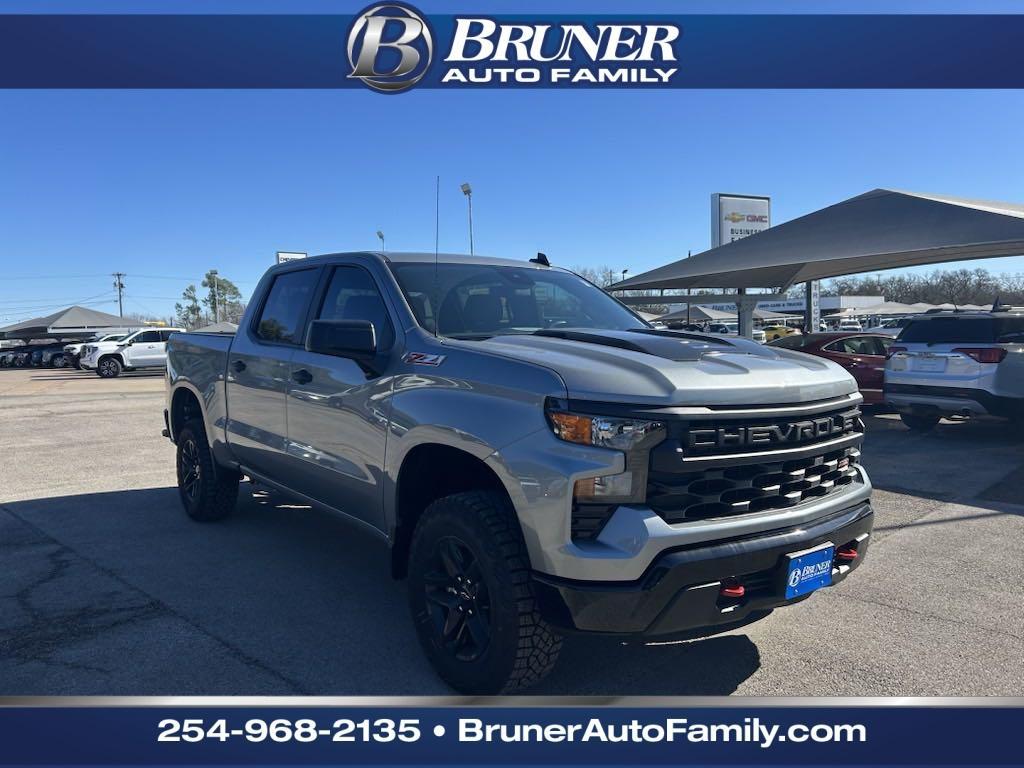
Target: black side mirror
[{"x": 355, "y": 339}]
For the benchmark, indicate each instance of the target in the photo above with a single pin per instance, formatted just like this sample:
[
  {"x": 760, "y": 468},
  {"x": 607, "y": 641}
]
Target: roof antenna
[
  {"x": 437, "y": 227},
  {"x": 541, "y": 259}
]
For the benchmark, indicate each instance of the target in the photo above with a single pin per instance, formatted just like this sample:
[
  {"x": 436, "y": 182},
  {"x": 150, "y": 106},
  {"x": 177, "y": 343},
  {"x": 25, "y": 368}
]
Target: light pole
[
  {"x": 381, "y": 236},
  {"x": 468, "y": 192},
  {"x": 624, "y": 272}
]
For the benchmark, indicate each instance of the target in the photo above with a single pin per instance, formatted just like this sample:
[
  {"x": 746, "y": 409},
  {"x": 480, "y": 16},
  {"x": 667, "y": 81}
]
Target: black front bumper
[{"x": 680, "y": 592}]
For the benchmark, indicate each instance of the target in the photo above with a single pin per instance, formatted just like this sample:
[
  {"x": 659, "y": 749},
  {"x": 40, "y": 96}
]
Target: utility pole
[{"x": 119, "y": 285}]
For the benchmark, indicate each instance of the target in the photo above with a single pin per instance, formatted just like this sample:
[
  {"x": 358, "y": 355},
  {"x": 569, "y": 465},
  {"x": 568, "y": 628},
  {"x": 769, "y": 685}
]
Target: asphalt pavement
[{"x": 107, "y": 588}]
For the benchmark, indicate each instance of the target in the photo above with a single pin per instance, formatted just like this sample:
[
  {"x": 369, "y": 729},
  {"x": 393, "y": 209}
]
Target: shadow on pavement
[{"x": 120, "y": 593}]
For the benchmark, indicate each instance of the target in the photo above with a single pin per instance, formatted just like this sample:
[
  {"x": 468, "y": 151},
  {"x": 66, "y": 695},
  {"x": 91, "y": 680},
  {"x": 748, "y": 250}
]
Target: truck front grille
[
  {"x": 718, "y": 468},
  {"x": 744, "y": 488}
]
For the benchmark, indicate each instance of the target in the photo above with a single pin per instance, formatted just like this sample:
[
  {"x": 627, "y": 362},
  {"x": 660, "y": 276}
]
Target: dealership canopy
[
  {"x": 699, "y": 314},
  {"x": 881, "y": 229},
  {"x": 73, "y": 321}
]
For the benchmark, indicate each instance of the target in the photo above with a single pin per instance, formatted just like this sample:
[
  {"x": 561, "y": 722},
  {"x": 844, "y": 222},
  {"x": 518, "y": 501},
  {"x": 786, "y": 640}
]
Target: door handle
[
  {"x": 302, "y": 376},
  {"x": 238, "y": 365}
]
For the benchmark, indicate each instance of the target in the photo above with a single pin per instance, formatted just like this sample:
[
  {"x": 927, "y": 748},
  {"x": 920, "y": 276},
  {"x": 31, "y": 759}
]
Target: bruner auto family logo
[
  {"x": 391, "y": 49},
  {"x": 403, "y": 56}
]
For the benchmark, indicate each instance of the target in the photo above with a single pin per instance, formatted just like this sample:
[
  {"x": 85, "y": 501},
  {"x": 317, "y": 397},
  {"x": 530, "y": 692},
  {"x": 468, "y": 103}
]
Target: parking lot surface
[{"x": 107, "y": 588}]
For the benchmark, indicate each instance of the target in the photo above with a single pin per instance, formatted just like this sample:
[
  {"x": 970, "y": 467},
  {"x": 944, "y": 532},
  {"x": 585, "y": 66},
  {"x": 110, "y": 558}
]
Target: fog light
[{"x": 604, "y": 487}]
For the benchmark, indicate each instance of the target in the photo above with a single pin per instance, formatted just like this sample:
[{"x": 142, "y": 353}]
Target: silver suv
[{"x": 957, "y": 364}]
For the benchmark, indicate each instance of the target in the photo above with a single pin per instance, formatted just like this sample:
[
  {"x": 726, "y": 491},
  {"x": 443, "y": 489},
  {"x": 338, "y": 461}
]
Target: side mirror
[{"x": 355, "y": 339}]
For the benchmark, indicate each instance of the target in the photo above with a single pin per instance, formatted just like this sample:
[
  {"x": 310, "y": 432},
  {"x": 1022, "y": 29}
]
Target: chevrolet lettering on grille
[{"x": 765, "y": 435}]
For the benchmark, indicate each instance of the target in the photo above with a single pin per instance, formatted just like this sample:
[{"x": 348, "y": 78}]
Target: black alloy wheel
[
  {"x": 458, "y": 600},
  {"x": 190, "y": 471}
]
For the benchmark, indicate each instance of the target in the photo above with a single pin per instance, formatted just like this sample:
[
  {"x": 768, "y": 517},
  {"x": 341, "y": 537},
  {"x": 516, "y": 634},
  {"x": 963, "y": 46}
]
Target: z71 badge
[{"x": 422, "y": 358}]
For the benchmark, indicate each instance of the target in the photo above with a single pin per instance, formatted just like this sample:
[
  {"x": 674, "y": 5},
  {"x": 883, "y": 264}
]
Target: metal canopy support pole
[
  {"x": 812, "y": 306},
  {"x": 745, "y": 306}
]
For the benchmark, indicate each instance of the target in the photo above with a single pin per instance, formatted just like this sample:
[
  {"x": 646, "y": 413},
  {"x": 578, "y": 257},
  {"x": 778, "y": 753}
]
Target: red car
[{"x": 862, "y": 354}]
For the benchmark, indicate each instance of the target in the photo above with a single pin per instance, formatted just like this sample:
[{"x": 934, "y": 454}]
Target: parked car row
[
  {"x": 47, "y": 355},
  {"x": 943, "y": 364}
]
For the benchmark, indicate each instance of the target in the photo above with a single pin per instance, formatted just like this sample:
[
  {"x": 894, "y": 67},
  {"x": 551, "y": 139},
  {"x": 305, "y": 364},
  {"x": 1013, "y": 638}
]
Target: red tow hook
[
  {"x": 847, "y": 554},
  {"x": 732, "y": 589}
]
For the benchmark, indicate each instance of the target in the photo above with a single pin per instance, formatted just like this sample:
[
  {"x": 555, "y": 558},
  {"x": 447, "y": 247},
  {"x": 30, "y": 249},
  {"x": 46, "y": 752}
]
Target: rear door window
[
  {"x": 950, "y": 330},
  {"x": 283, "y": 316}
]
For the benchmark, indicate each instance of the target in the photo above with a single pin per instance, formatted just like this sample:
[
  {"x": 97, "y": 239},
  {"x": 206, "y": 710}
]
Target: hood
[{"x": 669, "y": 368}]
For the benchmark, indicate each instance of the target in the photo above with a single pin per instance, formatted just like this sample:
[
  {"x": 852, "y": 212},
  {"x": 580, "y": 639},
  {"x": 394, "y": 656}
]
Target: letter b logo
[{"x": 390, "y": 47}]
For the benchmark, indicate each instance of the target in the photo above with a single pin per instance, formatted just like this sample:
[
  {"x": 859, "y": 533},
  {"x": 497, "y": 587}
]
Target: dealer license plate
[
  {"x": 809, "y": 570},
  {"x": 930, "y": 364}
]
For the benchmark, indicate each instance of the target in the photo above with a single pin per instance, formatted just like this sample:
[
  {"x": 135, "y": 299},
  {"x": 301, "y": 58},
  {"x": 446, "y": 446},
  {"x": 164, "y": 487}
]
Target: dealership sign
[
  {"x": 734, "y": 217},
  {"x": 391, "y": 48}
]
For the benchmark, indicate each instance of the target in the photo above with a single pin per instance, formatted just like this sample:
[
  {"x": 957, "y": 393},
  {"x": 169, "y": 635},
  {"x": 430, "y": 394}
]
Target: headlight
[
  {"x": 634, "y": 437},
  {"x": 602, "y": 431}
]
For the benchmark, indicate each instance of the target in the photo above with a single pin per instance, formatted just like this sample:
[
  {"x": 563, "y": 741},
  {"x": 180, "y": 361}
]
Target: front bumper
[{"x": 680, "y": 591}]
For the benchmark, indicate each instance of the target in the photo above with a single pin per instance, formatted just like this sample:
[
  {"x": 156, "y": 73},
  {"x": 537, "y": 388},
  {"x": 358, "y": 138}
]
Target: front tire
[
  {"x": 472, "y": 599},
  {"x": 109, "y": 368},
  {"x": 920, "y": 420},
  {"x": 207, "y": 492}
]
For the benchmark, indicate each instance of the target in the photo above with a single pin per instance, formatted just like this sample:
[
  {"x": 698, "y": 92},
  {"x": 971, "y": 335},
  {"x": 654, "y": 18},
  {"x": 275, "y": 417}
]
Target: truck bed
[{"x": 199, "y": 361}]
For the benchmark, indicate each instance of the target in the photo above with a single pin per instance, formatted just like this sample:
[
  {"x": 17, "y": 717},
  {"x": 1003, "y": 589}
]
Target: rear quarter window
[{"x": 1010, "y": 330}]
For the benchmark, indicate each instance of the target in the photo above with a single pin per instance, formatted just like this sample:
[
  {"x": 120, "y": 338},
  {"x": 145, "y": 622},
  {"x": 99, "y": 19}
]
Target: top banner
[{"x": 394, "y": 48}]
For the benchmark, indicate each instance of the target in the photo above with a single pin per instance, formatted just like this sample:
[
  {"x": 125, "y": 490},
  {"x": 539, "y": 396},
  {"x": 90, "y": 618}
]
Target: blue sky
[{"x": 164, "y": 185}]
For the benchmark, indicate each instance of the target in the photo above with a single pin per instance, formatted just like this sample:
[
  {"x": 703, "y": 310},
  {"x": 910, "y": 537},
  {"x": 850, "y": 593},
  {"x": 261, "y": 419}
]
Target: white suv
[
  {"x": 143, "y": 349},
  {"x": 957, "y": 364}
]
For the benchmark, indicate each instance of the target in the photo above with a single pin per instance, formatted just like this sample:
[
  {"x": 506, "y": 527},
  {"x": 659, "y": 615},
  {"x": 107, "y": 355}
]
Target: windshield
[{"x": 476, "y": 301}]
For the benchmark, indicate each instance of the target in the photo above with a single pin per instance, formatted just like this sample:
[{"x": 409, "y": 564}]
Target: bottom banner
[{"x": 170, "y": 731}]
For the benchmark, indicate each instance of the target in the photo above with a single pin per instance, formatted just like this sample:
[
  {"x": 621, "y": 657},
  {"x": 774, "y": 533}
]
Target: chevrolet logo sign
[{"x": 767, "y": 435}]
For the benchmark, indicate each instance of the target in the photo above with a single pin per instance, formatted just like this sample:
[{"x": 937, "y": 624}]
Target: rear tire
[
  {"x": 109, "y": 368},
  {"x": 472, "y": 599},
  {"x": 207, "y": 492},
  {"x": 59, "y": 361},
  {"x": 920, "y": 420}
]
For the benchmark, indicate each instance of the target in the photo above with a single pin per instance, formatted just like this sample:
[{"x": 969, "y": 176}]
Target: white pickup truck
[{"x": 143, "y": 349}]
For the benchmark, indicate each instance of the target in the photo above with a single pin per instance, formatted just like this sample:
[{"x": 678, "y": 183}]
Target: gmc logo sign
[{"x": 794, "y": 432}]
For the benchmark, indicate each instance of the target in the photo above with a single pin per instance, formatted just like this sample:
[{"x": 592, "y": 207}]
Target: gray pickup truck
[{"x": 538, "y": 459}]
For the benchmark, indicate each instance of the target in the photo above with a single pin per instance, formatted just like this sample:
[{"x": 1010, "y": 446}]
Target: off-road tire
[
  {"x": 920, "y": 420},
  {"x": 212, "y": 492},
  {"x": 522, "y": 648},
  {"x": 109, "y": 368}
]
